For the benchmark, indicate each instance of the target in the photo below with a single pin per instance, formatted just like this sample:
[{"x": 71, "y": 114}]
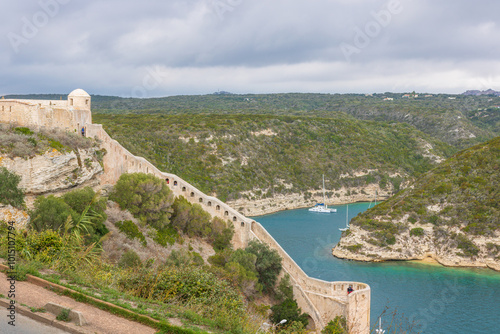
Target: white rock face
[
  {"x": 280, "y": 202},
  {"x": 11, "y": 214},
  {"x": 355, "y": 246},
  {"x": 54, "y": 171}
]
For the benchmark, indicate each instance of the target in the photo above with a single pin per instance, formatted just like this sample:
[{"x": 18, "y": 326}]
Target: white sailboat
[
  {"x": 346, "y": 220},
  {"x": 322, "y": 207}
]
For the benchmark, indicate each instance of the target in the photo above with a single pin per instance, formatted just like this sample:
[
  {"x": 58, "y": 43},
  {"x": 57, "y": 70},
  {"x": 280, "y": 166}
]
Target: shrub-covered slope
[
  {"x": 451, "y": 213},
  {"x": 458, "y": 120},
  {"x": 257, "y": 156}
]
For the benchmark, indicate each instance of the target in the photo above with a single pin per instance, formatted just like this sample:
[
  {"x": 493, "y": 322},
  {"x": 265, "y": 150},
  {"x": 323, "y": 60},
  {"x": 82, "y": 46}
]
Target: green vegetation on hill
[
  {"x": 463, "y": 192},
  {"x": 458, "y": 120},
  {"x": 230, "y": 154},
  {"x": 52, "y": 213},
  {"x": 65, "y": 235}
]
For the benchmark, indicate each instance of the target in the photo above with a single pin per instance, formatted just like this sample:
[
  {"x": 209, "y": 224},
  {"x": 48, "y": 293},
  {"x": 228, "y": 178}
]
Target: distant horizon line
[{"x": 222, "y": 93}]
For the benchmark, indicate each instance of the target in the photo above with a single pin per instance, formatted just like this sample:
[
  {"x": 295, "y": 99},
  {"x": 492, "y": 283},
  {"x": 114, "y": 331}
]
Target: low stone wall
[{"x": 322, "y": 300}]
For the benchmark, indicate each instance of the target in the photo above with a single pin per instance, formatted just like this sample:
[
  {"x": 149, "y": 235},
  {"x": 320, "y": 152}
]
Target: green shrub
[
  {"x": 267, "y": 264},
  {"x": 493, "y": 248},
  {"x": 131, "y": 231},
  {"x": 130, "y": 259},
  {"x": 285, "y": 289},
  {"x": 79, "y": 200},
  {"x": 23, "y": 131},
  {"x": 64, "y": 315},
  {"x": 50, "y": 213},
  {"x": 289, "y": 310},
  {"x": 32, "y": 141},
  {"x": 43, "y": 246},
  {"x": 336, "y": 326},
  {"x": 197, "y": 259},
  {"x": 180, "y": 258},
  {"x": 10, "y": 194},
  {"x": 354, "y": 248},
  {"x": 56, "y": 145},
  {"x": 468, "y": 247},
  {"x": 146, "y": 197},
  {"x": 166, "y": 236},
  {"x": 192, "y": 220},
  {"x": 417, "y": 232},
  {"x": 294, "y": 327},
  {"x": 220, "y": 258},
  {"x": 221, "y": 233}
]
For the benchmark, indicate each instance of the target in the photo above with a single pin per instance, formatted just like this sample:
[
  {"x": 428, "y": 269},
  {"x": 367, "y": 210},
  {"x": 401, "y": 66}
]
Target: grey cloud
[{"x": 275, "y": 46}]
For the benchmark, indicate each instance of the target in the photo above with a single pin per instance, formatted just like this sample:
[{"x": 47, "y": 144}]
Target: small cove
[{"x": 434, "y": 298}]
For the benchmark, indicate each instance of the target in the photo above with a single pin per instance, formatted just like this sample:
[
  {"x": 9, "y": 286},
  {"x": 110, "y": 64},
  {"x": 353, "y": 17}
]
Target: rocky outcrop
[
  {"x": 281, "y": 202},
  {"x": 10, "y": 214},
  {"x": 356, "y": 245},
  {"x": 54, "y": 171}
]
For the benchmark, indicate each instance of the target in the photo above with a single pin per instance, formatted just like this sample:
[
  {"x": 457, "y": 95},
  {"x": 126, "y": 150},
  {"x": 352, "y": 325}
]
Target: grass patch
[
  {"x": 354, "y": 248},
  {"x": 64, "y": 315}
]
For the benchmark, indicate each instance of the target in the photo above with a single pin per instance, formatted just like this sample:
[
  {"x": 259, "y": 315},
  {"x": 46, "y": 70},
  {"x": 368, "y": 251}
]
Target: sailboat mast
[
  {"x": 347, "y": 216},
  {"x": 324, "y": 197}
]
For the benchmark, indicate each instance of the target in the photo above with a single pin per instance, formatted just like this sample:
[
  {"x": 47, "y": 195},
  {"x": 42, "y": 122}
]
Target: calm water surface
[{"x": 434, "y": 298}]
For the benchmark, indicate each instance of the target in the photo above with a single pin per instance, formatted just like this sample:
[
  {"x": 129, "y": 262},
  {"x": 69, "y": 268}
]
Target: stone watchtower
[
  {"x": 79, "y": 99},
  {"x": 79, "y": 105}
]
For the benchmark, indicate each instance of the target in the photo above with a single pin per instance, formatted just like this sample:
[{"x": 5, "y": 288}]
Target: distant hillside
[
  {"x": 451, "y": 213},
  {"x": 458, "y": 120},
  {"x": 449, "y": 118},
  {"x": 257, "y": 157}
]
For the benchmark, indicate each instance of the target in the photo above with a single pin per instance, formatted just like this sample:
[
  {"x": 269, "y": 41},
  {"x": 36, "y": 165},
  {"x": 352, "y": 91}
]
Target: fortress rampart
[
  {"x": 72, "y": 114},
  {"x": 322, "y": 300}
]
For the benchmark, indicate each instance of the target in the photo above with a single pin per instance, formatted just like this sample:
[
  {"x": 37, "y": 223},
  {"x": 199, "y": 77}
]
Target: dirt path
[{"x": 98, "y": 320}]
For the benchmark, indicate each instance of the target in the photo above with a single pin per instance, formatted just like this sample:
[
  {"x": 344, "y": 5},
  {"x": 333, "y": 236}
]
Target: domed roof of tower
[{"x": 79, "y": 92}]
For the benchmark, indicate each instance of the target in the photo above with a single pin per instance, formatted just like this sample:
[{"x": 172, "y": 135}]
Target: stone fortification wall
[
  {"x": 49, "y": 114},
  {"x": 322, "y": 300},
  {"x": 119, "y": 160}
]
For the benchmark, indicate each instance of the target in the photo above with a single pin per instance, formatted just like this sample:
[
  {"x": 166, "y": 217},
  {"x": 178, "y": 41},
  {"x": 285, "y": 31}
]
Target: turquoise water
[{"x": 433, "y": 299}]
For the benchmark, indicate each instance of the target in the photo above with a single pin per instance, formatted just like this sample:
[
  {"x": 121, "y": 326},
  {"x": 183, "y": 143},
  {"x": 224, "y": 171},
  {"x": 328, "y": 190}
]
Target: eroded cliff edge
[
  {"x": 356, "y": 246},
  {"x": 53, "y": 172},
  {"x": 450, "y": 214}
]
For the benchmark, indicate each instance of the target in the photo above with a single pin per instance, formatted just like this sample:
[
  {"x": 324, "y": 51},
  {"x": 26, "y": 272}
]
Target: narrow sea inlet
[{"x": 433, "y": 299}]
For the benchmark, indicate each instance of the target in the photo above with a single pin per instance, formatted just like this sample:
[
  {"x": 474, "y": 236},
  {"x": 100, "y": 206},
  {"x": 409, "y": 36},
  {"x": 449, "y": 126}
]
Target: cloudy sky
[{"x": 159, "y": 48}]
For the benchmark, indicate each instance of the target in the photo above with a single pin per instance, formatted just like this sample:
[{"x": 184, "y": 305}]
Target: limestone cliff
[
  {"x": 281, "y": 202},
  {"x": 54, "y": 171},
  {"x": 356, "y": 245},
  {"x": 51, "y": 173}
]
